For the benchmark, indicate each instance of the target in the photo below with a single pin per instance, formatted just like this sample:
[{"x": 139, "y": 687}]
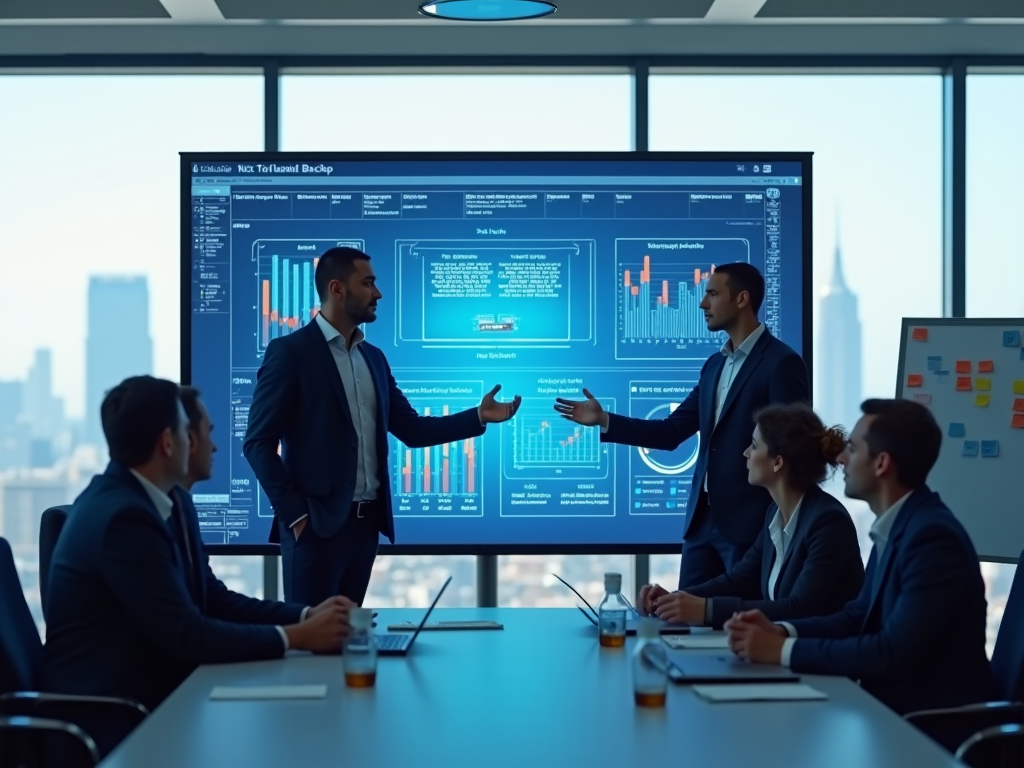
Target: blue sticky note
[
  {"x": 956, "y": 429},
  {"x": 989, "y": 448},
  {"x": 942, "y": 373},
  {"x": 934, "y": 362},
  {"x": 1022, "y": 353},
  {"x": 970, "y": 448},
  {"x": 1011, "y": 338}
]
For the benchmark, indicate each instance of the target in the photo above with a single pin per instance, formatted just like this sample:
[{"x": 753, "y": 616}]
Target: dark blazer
[
  {"x": 915, "y": 638},
  {"x": 300, "y": 402},
  {"x": 772, "y": 373},
  {"x": 212, "y": 595},
  {"x": 821, "y": 572},
  {"x": 122, "y": 620}
]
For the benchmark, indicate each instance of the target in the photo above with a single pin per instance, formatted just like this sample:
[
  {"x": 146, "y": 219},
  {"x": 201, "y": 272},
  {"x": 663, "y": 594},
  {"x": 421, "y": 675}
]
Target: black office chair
[
  {"x": 1001, "y": 746},
  {"x": 23, "y": 739},
  {"x": 50, "y": 526},
  {"x": 28, "y": 713},
  {"x": 950, "y": 727}
]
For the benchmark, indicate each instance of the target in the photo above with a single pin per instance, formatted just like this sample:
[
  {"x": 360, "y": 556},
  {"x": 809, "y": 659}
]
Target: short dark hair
[
  {"x": 744, "y": 277},
  {"x": 800, "y": 437},
  {"x": 336, "y": 264},
  {"x": 189, "y": 397},
  {"x": 134, "y": 414},
  {"x": 908, "y": 432}
]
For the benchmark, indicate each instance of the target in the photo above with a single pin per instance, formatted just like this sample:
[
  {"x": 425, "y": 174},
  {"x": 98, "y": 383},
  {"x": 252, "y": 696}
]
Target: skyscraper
[
  {"x": 45, "y": 413},
  {"x": 838, "y": 357},
  {"x": 118, "y": 343}
]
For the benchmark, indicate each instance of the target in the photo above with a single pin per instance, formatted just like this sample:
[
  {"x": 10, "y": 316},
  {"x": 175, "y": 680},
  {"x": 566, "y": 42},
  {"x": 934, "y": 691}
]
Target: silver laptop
[{"x": 399, "y": 643}]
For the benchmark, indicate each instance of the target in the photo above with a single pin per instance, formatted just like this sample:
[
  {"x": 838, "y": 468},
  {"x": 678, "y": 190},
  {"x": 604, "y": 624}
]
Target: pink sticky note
[
  {"x": 1018, "y": 404},
  {"x": 963, "y": 383},
  {"x": 919, "y": 334},
  {"x": 963, "y": 366},
  {"x": 1017, "y": 422},
  {"x": 986, "y": 366},
  {"x": 915, "y": 380}
]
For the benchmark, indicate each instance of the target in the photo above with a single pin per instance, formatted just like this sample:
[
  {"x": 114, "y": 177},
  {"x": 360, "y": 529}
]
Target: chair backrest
[
  {"x": 50, "y": 526},
  {"x": 1001, "y": 746},
  {"x": 1008, "y": 655},
  {"x": 21, "y": 650}
]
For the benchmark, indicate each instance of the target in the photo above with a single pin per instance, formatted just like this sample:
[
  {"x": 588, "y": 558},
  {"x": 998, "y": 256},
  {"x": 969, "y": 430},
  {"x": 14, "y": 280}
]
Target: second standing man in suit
[
  {"x": 326, "y": 396},
  {"x": 724, "y": 513}
]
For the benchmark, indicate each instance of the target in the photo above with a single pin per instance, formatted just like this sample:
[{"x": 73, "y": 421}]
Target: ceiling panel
[
  {"x": 82, "y": 9},
  {"x": 892, "y": 9},
  {"x": 406, "y": 9}
]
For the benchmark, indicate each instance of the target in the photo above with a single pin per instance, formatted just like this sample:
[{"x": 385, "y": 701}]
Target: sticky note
[
  {"x": 989, "y": 448},
  {"x": 963, "y": 383},
  {"x": 970, "y": 448},
  {"x": 915, "y": 380},
  {"x": 981, "y": 401},
  {"x": 923, "y": 399},
  {"x": 983, "y": 385},
  {"x": 986, "y": 366},
  {"x": 1018, "y": 404},
  {"x": 957, "y": 429},
  {"x": 934, "y": 362},
  {"x": 942, "y": 373},
  {"x": 1017, "y": 422},
  {"x": 1011, "y": 338},
  {"x": 1018, "y": 387},
  {"x": 919, "y": 334},
  {"x": 1022, "y": 353},
  {"x": 963, "y": 366}
]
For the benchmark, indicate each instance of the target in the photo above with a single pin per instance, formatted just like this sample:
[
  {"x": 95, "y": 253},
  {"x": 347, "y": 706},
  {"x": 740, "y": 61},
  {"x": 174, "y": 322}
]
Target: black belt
[{"x": 364, "y": 509}]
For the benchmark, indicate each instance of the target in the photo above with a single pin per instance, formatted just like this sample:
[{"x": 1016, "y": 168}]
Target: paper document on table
[
  {"x": 250, "y": 693},
  {"x": 772, "y": 692},
  {"x": 697, "y": 641}
]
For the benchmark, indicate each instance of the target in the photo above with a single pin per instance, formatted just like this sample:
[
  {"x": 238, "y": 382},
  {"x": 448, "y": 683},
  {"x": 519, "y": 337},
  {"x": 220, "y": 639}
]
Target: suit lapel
[
  {"x": 324, "y": 359},
  {"x": 752, "y": 361},
  {"x": 370, "y": 356},
  {"x": 768, "y": 553},
  {"x": 186, "y": 509},
  {"x": 883, "y": 564},
  {"x": 807, "y": 511},
  {"x": 707, "y": 397}
]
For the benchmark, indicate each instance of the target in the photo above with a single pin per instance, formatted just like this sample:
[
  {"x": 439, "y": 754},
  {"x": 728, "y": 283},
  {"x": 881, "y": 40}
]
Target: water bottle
[{"x": 611, "y": 613}]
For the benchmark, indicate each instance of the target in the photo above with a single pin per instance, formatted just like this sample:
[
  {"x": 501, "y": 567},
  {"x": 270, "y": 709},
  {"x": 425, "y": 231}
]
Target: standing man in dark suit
[
  {"x": 124, "y": 618},
  {"x": 915, "y": 635},
  {"x": 724, "y": 513},
  {"x": 326, "y": 396}
]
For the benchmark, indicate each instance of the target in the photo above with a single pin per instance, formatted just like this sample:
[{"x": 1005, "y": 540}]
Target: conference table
[{"x": 541, "y": 692}]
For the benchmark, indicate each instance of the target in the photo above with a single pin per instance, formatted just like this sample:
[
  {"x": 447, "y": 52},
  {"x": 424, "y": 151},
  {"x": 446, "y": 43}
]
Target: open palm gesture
[{"x": 587, "y": 412}]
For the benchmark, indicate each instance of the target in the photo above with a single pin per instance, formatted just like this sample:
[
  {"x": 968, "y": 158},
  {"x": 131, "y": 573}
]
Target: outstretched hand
[
  {"x": 587, "y": 412},
  {"x": 494, "y": 412}
]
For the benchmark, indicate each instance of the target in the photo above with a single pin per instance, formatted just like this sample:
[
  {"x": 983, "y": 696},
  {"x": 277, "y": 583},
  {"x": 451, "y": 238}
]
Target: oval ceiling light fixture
[{"x": 487, "y": 10}]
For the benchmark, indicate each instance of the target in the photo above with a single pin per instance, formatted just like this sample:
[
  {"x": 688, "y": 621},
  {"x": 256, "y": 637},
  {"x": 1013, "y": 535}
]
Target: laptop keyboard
[{"x": 391, "y": 642}]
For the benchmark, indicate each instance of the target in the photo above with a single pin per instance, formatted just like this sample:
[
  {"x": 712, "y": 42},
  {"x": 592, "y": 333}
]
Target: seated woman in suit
[{"x": 807, "y": 561}]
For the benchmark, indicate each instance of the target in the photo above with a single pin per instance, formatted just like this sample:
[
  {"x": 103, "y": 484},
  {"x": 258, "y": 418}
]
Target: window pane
[
  {"x": 877, "y": 175},
  {"x": 456, "y": 112},
  {"x": 464, "y": 112},
  {"x": 89, "y": 206},
  {"x": 995, "y": 162}
]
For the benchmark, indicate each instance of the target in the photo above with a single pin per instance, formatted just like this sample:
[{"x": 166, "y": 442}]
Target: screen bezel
[{"x": 807, "y": 292}]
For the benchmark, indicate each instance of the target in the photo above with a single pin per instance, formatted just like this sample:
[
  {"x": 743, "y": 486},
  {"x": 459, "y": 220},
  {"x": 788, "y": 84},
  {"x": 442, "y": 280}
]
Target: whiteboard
[{"x": 970, "y": 372}]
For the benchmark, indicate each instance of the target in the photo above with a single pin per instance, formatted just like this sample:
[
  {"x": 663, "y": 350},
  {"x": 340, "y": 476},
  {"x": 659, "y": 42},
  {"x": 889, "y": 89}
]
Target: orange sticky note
[
  {"x": 919, "y": 334},
  {"x": 915, "y": 380},
  {"x": 963, "y": 383},
  {"x": 1018, "y": 421},
  {"x": 1018, "y": 404},
  {"x": 963, "y": 366},
  {"x": 986, "y": 366}
]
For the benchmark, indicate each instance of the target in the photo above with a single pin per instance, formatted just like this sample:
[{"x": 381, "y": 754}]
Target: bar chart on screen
[
  {"x": 286, "y": 293},
  {"x": 660, "y": 285}
]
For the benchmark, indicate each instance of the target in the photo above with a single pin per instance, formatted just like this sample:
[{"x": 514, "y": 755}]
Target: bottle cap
[
  {"x": 613, "y": 582},
  {"x": 360, "y": 618},
  {"x": 649, "y": 629}
]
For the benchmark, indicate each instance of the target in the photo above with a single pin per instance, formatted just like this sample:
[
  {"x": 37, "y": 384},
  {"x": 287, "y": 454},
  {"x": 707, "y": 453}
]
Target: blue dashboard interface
[{"x": 544, "y": 275}]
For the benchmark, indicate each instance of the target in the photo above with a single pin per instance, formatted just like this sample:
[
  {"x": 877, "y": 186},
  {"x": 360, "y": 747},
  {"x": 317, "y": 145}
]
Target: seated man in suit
[
  {"x": 126, "y": 615},
  {"x": 915, "y": 636},
  {"x": 807, "y": 561}
]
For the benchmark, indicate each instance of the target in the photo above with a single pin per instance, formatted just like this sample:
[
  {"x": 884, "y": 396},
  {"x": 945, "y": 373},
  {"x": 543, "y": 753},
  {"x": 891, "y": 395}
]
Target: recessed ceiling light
[{"x": 487, "y": 10}]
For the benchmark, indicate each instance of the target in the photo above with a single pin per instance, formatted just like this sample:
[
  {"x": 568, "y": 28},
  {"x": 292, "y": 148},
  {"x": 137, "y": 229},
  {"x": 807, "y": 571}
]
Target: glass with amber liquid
[
  {"x": 650, "y": 660},
  {"x": 611, "y": 613},
  {"x": 360, "y": 654}
]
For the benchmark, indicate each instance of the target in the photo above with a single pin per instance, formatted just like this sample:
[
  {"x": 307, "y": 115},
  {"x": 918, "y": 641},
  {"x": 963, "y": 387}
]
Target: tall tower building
[
  {"x": 45, "y": 413},
  {"x": 838, "y": 356},
  {"x": 118, "y": 343}
]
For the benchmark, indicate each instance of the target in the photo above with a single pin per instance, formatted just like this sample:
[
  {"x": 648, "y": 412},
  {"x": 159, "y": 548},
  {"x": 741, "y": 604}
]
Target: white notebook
[
  {"x": 762, "y": 692},
  {"x": 248, "y": 693},
  {"x": 696, "y": 641}
]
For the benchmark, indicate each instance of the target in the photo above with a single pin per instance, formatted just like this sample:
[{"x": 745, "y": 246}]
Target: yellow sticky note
[
  {"x": 981, "y": 400},
  {"x": 984, "y": 385},
  {"x": 1018, "y": 387}
]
